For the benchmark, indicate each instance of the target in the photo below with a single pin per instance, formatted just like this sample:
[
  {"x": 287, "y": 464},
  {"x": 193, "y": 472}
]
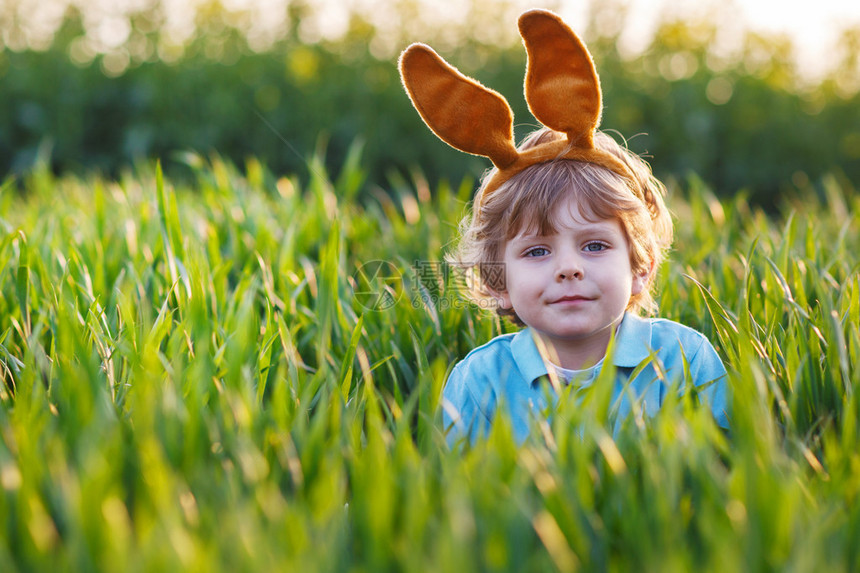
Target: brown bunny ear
[
  {"x": 562, "y": 88},
  {"x": 459, "y": 110}
]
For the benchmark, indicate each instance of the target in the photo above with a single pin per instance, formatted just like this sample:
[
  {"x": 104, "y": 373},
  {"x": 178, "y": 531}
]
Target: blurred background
[{"x": 756, "y": 96}]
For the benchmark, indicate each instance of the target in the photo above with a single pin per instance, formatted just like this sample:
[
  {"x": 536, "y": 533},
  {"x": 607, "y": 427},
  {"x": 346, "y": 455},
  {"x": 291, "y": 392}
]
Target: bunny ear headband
[{"x": 561, "y": 88}]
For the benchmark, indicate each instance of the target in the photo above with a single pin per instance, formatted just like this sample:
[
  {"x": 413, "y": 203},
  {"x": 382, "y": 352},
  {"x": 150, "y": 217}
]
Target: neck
[{"x": 576, "y": 354}]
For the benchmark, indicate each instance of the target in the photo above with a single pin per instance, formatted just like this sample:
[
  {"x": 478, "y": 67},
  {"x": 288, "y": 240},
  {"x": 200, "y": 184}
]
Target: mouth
[{"x": 570, "y": 299}]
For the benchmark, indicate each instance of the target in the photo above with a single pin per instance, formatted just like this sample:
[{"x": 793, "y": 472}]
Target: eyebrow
[{"x": 587, "y": 226}]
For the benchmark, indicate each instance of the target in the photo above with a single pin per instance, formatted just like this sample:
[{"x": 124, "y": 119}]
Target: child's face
[{"x": 573, "y": 286}]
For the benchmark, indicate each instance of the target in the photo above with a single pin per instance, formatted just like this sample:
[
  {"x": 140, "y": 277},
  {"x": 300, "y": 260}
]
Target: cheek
[{"x": 525, "y": 285}]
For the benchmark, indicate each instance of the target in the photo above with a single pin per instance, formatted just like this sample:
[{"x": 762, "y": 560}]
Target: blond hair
[{"x": 530, "y": 201}]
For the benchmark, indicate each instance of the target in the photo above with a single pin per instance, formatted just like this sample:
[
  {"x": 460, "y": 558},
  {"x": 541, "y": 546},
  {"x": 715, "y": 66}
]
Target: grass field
[{"x": 198, "y": 377}]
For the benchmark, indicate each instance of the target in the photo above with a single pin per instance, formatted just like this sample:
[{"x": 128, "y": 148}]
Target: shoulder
[
  {"x": 665, "y": 330},
  {"x": 672, "y": 342},
  {"x": 473, "y": 385},
  {"x": 492, "y": 354},
  {"x": 690, "y": 351},
  {"x": 676, "y": 343}
]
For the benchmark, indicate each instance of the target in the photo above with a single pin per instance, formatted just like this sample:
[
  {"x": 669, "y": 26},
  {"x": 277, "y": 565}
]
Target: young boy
[
  {"x": 565, "y": 237},
  {"x": 578, "y": 253}
]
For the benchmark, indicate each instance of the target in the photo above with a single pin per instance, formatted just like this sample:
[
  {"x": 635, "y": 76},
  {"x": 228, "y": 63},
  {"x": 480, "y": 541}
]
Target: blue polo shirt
[{"x": 510, "y": 370}]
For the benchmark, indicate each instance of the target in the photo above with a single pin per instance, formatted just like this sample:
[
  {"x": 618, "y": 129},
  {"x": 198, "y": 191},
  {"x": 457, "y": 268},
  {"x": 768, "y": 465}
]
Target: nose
[{"x": 569, "y": 267}]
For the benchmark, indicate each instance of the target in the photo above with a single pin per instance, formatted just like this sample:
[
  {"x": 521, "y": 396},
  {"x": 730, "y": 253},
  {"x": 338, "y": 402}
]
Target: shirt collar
[
  {"x": 632, "y": 346},
  {"x": 527, "y": 356},
  {"x": 633, "y": 342}
]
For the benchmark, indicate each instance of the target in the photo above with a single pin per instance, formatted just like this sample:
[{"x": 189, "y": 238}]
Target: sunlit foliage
[
  {"x": 102, "y": 88},
  {"x": 192, "y": 381}
]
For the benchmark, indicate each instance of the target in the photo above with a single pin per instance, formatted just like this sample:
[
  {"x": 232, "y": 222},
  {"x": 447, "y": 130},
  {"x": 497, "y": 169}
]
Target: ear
[
  {"x": 503, "y": 299},
  {"x": 460, "y": 111},
  {"x": 641, "y": 280},
  {"x": 562, "y": 88}
]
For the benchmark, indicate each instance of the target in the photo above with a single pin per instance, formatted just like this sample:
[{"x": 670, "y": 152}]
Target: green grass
[{"x": 190, "y": 383}]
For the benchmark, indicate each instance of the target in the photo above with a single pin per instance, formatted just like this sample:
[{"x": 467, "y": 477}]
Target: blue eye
[
  {"x": 595, "y": 247},
  {"x": 537, "y": 252}
]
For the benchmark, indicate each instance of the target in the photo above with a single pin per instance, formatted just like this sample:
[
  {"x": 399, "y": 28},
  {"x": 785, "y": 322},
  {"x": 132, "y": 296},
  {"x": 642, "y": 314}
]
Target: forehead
[{"x": 567, "y": 209}]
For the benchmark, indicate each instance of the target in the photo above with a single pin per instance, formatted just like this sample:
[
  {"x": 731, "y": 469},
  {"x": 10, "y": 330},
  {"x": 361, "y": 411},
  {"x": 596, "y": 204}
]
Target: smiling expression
[{"x": 573, "y": 285}]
